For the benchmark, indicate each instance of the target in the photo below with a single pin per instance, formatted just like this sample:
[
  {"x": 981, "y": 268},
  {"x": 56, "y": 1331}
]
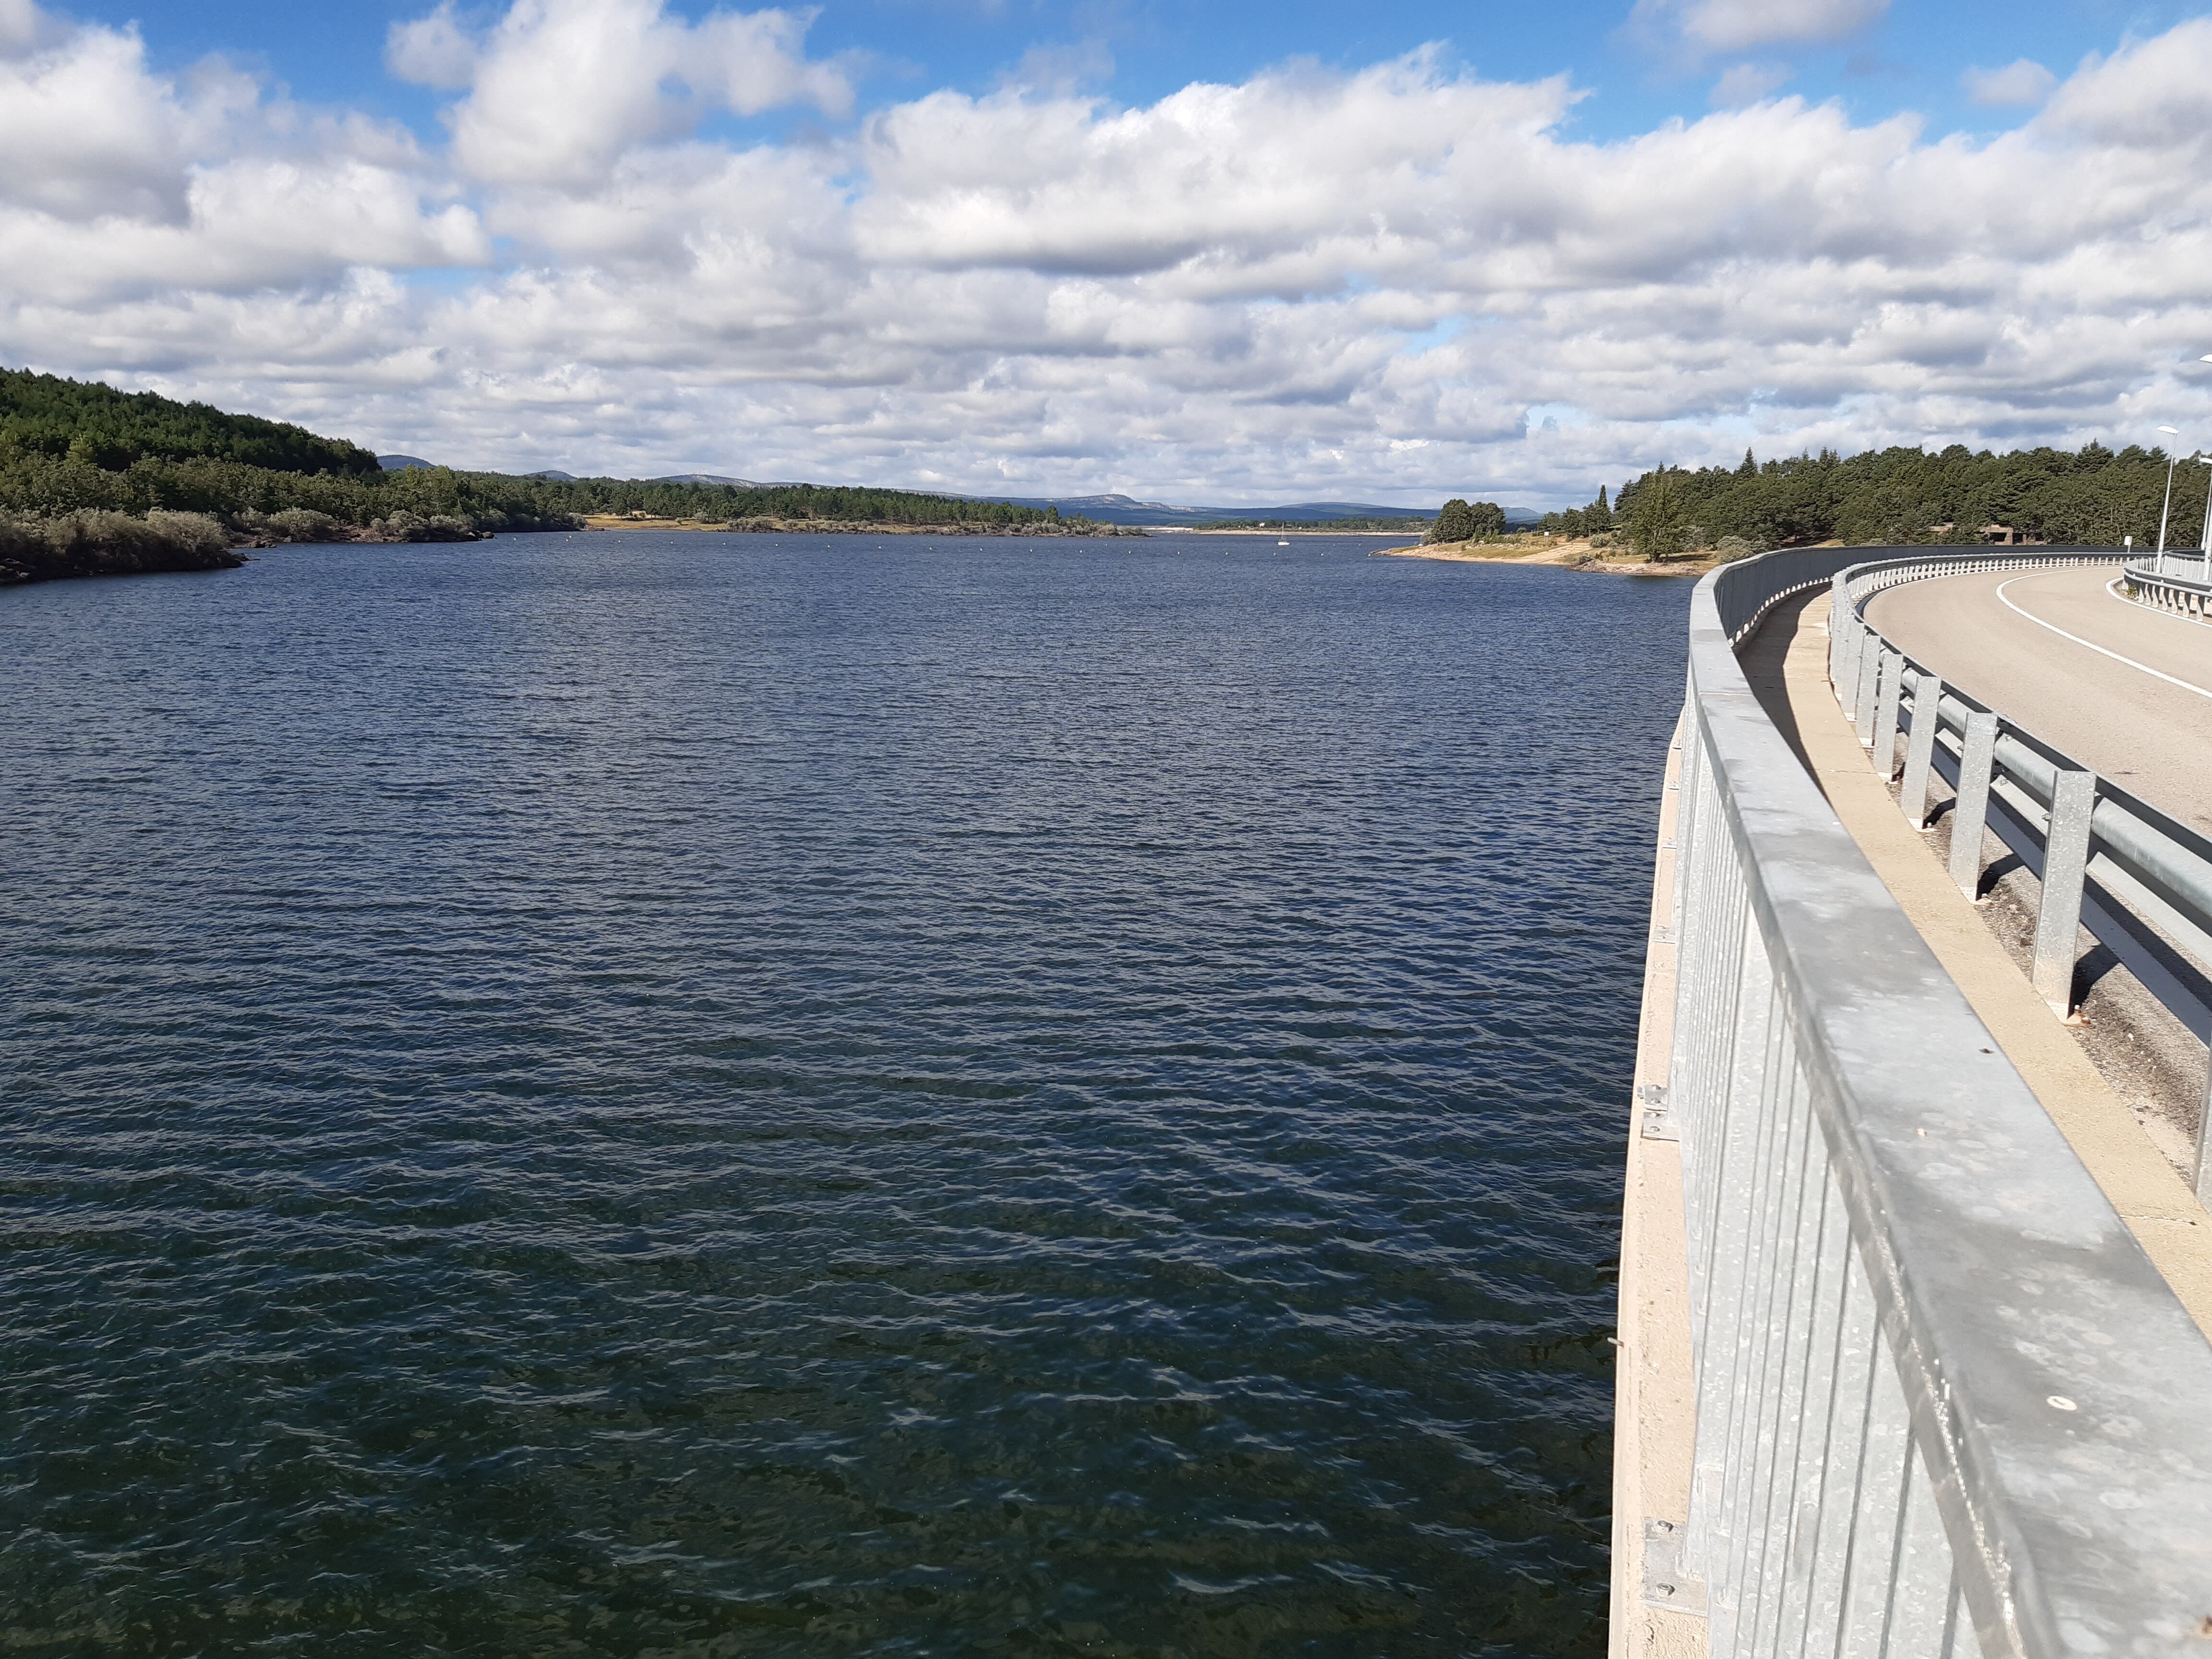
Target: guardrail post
[
  {"x": 1972, "y": 809},
  {"x": 1847, "y": 652},
  {"x": 1871, "y": 652},
  {"x": 1885, "y": 713},
  {"x": 1920, "y": 748},
  {"x": 2065, "y": 859},
  {"x": 2203, "y": 1182},
  {"x": 1838, "y": 606}
]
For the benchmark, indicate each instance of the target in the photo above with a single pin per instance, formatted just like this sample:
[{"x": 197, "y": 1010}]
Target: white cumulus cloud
[
  {"x": 121, "y": 181},
  {"x": 1725, "y": 27},
  {"x": 2022, "y": 81},
  {"x": 1746, "y": 83},
  {"x": 560, "y": 90},
  {"x": 432, "y": 51},
  {"x": 1383, "y": 283},
  {"x": 2153, "y": 94},
  {"x": 20, "y": 23},
  {"x": 87, "y": 131}
]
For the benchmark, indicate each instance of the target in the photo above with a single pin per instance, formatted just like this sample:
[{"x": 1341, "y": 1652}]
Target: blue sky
[
  {"x": 1910, "y": 59},
  {"x": 1227, "y": 251}
]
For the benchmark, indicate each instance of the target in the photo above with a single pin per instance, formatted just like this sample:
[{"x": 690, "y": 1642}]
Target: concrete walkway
[
  {"x": 1655, "y": 1403},
  {"x": 1787, "y": 663}
]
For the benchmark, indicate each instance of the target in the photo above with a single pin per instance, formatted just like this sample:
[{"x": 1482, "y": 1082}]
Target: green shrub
[
  {"x": 101, "y": 542},
  {"x": 192, "y": 533},
  {"x": 296, "y": 524}
]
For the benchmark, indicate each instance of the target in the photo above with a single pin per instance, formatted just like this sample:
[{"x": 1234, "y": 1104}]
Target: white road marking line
[
  {"x": 2112, "y": 587},
  {"x": 2098, "y": 649}
]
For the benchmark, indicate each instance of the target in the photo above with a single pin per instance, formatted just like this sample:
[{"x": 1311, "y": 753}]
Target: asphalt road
[{"x": 2128, "y": 695}]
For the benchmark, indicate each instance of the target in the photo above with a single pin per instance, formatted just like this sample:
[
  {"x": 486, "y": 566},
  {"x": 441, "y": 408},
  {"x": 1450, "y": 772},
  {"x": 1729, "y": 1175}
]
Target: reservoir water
[{"x": 685, "y": 1094}]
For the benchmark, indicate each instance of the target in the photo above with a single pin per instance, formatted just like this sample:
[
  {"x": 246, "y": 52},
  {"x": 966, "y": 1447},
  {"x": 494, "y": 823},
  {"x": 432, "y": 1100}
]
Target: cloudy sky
[{"x": 1218, "y": 253}]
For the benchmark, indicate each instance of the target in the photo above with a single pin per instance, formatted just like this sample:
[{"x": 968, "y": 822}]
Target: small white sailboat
[{"x": 1282, "y": 543}]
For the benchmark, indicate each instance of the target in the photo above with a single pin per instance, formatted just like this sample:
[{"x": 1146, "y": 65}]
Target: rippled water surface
[{"x": 625, "y": 1094}]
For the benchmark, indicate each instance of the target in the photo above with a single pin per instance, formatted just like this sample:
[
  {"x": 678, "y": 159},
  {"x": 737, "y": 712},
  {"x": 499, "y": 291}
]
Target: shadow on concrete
[{"x": 1762, "y": 656}]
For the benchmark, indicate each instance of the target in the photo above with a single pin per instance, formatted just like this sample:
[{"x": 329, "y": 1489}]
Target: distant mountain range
[
  {"x": 1106, "y": 509},
  {"x": 1128, "y": 509},
  {"x": 554, "y": 475}
]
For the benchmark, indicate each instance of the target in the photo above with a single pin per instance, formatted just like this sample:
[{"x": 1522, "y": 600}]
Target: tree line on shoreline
[
  {"x": 2093, "y": 497},
  {"x": 250, "y": 498},
  {"x": 1953, "y": 497},
  {"x": 93, "y": 480}
]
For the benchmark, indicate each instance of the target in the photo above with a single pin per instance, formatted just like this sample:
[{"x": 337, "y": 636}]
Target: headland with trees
[
  {"x": 1953, "y": 497},
  {"x": 94, "y": 482}
]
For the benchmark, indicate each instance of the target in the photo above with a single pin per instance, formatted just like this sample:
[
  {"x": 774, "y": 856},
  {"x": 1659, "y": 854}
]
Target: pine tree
[
  {"x": 1456, "y": 522},
  {"x": 1658, "y": 521}
]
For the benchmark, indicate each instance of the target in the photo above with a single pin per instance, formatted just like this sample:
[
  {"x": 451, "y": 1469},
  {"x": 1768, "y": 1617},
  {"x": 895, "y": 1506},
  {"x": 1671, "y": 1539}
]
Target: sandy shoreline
[
  {"x": 611, "y": 521},
  {"x": 1573, "y": 555}
]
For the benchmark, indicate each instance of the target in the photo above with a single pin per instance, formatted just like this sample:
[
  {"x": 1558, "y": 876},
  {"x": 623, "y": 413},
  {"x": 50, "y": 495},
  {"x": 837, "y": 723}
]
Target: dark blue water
[{"x": 625, "y": 1094}]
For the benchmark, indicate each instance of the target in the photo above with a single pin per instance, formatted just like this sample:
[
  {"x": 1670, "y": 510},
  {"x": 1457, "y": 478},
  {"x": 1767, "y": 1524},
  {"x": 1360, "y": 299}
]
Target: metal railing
[
  {"x": 2139, "y": 879},
  {"x": 2179, "y": 582},
  {"x": 1946, "y": 1406}
]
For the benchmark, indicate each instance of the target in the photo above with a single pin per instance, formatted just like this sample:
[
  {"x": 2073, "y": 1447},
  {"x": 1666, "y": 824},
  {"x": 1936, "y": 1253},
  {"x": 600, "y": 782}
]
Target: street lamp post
[
  {"x": 2204, "y": 541},
  {"x": 2158, "y": 564}
]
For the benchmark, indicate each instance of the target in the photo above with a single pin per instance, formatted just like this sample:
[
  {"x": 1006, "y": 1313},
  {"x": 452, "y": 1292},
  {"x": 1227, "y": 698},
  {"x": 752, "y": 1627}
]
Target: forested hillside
[
  {"x": 729, "y": 503},
  {"x": 46, "y": 416},
  {"x": 2091, "y": 497},
  {"x": 39, "y": 482},
  {"x": 95, "y": 480}
]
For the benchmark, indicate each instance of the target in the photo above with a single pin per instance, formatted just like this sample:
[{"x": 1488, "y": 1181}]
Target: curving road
[{"x": 2126, "y": 690}]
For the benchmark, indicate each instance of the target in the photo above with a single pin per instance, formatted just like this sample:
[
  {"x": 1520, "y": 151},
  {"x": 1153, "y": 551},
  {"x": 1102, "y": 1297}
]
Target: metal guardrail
[
  {"x": 2179, "y": 582},
  {"x": 2138, "y": 878},
  {"x": 1946, "y": 1406}
]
